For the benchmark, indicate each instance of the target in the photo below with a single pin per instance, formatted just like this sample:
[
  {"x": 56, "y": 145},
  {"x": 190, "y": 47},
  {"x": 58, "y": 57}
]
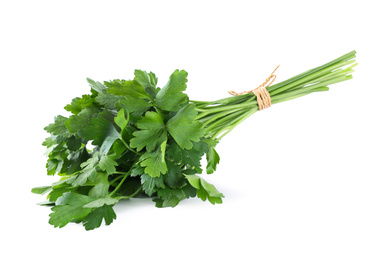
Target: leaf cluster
[{"x": 127, "y": 138}]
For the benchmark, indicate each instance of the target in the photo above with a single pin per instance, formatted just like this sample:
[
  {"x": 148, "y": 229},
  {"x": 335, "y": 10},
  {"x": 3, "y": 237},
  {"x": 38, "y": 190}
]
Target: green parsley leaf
[
  {"x": 75, "y": 159},
  {"x": 184, "y": 128},
  {"x": 94, "y": 219},
  {"x": 96, "y": 85},
  {"x": 121, "y": 119},
  {"x": 73, "y": 143},
  {"x": 58, "y": 127},
  {"x": 108, "y": 100},
  {"x": 154, "y": 162},
  {"x": 150, "y": 184},
  {"x": 174, "y": 178},
  {"x": 168, "y": 197},
  {"x": 127, "y": 88},
  {"x": 41, "y": 190},
  {"x": 74, "y": 107},
  {"x": 170, "y": 97},
  {"x": 83, "y": 176},
  {"x": 69, "y": 208},
  {"x": 137, "y": 170},
  {"x": 205, "y": 190},
  {"x": 50, "y": 141},
  {"x": 77, "y": 122},
  {"x": 101, "y": 202},
  {"x": 152, "y": 132},
  {"x": 135, "y": 107},
  {"x": 101, "y": 185},
  {"x": 190, "y": 157},
  {"x": 107, "y": 164},
  {"x": 212, "y": 156},
  {"x": 59, "y": 189},
  {"x": 148, "y": 81},
  {"x": 78, "y": 104},
  {"x": 101, "y": 131}
]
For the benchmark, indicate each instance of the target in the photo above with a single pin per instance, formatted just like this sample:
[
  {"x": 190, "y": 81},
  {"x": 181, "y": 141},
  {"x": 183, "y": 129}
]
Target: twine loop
[{"x": 261, "y": 92}]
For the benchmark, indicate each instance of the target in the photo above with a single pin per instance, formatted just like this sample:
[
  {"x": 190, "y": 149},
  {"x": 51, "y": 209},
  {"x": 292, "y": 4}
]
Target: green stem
[
  {"x": 121, "y": 182},
  {"x": 222, "y": 116},
  {"x": 132, "y": 195},
  {"x": 223, "y": 121},
  {"x": 115, "y": 179},
  {"x": 228, "y": 129},
  {"x": 128, "y": 147},
  {"x": 311, "y": 77},
  {"x": 345, "y": 57}
]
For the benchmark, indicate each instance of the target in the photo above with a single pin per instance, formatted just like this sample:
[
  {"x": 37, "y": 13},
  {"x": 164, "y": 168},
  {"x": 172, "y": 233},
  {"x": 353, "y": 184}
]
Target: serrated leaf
[
  {"x": 154, "y": 162},
  {"x": 59, "y": 190},
  {"x": 69, "y": 208},
  {"x": 151, "y": 134},
  {"x": 150, "y": 184},
  {"x": 137, "y": 170},
  {"x": 148, "y": 81},
  {"x": 49, "y": 141},
  {"x": 108, "y": 100},
  {"x": 205, "y": 190},
  {"x": 127, "y": 88},
  {"x": 168, "y": 197},
  {"x": 58, "y": 127},
  {"x": 101, "y": 202},
  {"x": 121, "y": 119},
  {"x": 173, "y": 177},
  {"x": 107, "y": 164},
  {"x": 101, "y": 185},
  {"x": 83, "y": 176},
  {"x": 91, "y": 162},
  {"x": 75, "y": 159},
  {"x": 211, "y": 155},
  {"x": 78, "y": 104},
  {"x": 77, "y": 122},
  {"x": 170, "y": 97},
  {"x": 74, "y": 143},
  {"x": 54, "y": 166},
  {"x": 97, "y": 86},
  {"x": 94, "y": 219},
  {"x": 184, "y": 127},
  {"x": 132, "y": 104},
  {"x": 135, "y": 107},
  {"x": 99, "y": 129},
  {"x": 74, "y": 107},
  {"x": 190, "y": 157}
]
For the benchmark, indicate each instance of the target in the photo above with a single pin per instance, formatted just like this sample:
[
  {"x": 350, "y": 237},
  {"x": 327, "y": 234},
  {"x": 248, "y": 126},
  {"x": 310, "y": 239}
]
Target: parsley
[{"x": 149, "y": 141}]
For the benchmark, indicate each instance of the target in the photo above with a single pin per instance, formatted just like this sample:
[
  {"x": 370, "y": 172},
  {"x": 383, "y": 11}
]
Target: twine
[{"x": 261, "y": 92}]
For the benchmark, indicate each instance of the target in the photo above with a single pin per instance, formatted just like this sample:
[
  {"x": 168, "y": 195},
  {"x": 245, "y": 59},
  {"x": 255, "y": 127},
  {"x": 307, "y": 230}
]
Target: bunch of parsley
[{"x": 130, "y": 138}]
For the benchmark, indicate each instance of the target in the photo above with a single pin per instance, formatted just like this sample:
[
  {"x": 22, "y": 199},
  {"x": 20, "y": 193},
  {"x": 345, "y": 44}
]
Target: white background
[{"x": 306, "y": 179}]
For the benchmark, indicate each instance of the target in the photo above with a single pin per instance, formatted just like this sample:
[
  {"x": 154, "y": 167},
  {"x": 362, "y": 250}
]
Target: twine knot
[{"x": 261, "y": 92}]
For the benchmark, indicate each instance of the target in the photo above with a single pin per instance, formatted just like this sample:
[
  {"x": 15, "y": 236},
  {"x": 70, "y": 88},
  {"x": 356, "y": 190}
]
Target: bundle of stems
[{"x": 222, "y": 116}]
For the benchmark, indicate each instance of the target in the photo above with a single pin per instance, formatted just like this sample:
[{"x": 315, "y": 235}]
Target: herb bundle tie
[{"x": 261, "y": 92}]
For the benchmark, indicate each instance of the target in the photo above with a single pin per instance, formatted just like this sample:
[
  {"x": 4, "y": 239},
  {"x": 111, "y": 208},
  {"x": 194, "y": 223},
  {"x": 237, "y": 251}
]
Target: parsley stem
[
  {"x": 115, "y": 179},
  {"x": 133, "y": 194},
  {"x": 121, "y": 182},
  {"x": 222, "y": 116},
  {"x": 128, "y": 147},
  {"x": 228, "y": 129}
]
